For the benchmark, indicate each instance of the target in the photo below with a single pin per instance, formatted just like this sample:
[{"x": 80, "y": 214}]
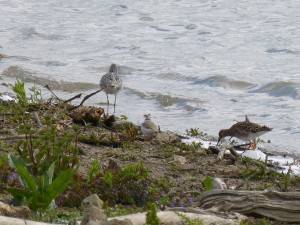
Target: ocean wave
[
  {"x": 223, "y": 81},
  {"x": 280, "y": 88},
  {"x": 191, "y": 27},
  {"x": 39, "y": 79},
  {"x": 160, "y": 29},
  {"x": 146, "y": 18},
  {"x": 166, "y": 100},
  {"x": 283, "y": 50},
  {"x": 174, "y": 76},
  {"x": 30, "y": 32}
]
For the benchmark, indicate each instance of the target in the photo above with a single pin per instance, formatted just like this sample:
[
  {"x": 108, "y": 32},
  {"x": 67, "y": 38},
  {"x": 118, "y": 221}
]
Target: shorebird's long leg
[
  {"x": 250, "y": 145},
  {"x": 115, "y": 104},
  {"x": 107, "y": 103},
  {"x": 254, "y": 143}
]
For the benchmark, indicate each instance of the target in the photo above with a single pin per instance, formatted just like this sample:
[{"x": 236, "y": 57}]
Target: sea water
[{"x": 191, "y": 64}]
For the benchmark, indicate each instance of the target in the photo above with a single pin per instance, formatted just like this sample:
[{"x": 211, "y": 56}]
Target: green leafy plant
[
  {"x": 188, "y": 220},
  {"x": 193, "y": 132},
  {"x": 93, "y": 170},
  {"x": 261, "y": 222},
  {"x": 117, "y": 210},
  {"x": 255, "y": 169},
  {"x": 285, "y": 180},
  {"x": 35, "y": 95},
  {"x": 151, "y": 215},
  {"x": 123, "y": 117},
  {"x": 191, "y": 147},
  {"x": 131, "y": 131},
  {"x": 19, "y": 89},
  {"x": 42, "y": 147},
  {"x": 208, "y": 183},
  {"x": 38, "y": 192},
  {"x": 244, "y": 222},
  {"x": 127, "y": 185}
]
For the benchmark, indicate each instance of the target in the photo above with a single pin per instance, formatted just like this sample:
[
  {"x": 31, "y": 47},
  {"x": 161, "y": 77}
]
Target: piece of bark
[{"x": 281, "y": 206}]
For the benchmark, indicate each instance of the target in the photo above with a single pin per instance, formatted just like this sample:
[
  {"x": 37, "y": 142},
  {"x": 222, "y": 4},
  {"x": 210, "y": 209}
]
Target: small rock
[
  {"x": 179, "y": 159},
  {"x": 92, "y": 200},
  {"x": 255, "y": 154},
  {"x": 93, "y": 212},
  {"x": 12, "y": 211},
  {"x": 167, "y": 137},
  {"x": 219, "y": 184}
]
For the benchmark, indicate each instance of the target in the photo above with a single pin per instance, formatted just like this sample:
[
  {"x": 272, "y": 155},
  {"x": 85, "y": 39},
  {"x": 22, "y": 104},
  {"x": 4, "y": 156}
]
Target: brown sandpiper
[{"x": 246, "y": 131}]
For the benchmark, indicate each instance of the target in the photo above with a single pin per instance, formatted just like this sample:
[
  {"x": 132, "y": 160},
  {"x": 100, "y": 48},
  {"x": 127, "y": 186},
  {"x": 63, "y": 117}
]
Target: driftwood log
[{"x": 281, "y": 206}]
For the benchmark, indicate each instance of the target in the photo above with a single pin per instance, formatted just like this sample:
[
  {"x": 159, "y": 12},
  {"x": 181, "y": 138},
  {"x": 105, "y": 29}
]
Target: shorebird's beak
[{"x": 218, "y": 141}]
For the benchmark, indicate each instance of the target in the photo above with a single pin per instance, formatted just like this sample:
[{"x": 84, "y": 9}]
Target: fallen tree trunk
[{"x": 281, "y": 206}]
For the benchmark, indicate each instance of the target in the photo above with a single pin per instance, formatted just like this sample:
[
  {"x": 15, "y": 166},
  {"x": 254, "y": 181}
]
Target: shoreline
[{"x": 180, "y": 168}]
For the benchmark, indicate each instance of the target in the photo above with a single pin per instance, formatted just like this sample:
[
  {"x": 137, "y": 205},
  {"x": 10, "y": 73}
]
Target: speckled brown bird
[{"x": 246, "y": 131}]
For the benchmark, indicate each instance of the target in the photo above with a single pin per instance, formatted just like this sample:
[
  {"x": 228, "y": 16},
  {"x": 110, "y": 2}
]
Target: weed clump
[
  {"x": 151, "y": 215},
  {"x": 128, "y": 185}
]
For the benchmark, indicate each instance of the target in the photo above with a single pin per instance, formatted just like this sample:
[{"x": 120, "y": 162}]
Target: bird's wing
[
  {"x": 249, "y": 127},
  {"x": 150, "y": 125}
]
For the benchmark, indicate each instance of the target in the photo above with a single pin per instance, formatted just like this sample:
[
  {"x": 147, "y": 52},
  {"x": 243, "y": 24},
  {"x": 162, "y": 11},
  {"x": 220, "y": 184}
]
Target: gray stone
[
  {"x": 167, "y": 137},
  {"x": 12, "y": 211},
  {"x": 93, "y": 212},
  {"x": 219, "y": 184},
  {"x": 92, "y": 200}
]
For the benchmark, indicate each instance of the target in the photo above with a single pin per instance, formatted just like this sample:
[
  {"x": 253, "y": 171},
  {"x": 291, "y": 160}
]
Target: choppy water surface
[{"x": 188, "y": 63}]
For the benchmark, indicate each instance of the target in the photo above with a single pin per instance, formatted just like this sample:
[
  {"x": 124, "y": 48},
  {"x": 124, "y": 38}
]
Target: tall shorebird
[
  {"x": 149, "y": 128},
  {"x": 111, "y": 83},
  {"x": 246, "y": 131}
]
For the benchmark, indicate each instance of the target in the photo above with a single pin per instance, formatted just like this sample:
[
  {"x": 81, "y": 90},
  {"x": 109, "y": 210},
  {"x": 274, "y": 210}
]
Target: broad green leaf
[
  {"x": 23, "y": 172},
  {"x": 19, "y": 194},
  {"x": 58, "y": 185},
  {"x": 208, "y": 183},
  {"x": 49, "y": 174},
  {"x": 46, "y": 179}
]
